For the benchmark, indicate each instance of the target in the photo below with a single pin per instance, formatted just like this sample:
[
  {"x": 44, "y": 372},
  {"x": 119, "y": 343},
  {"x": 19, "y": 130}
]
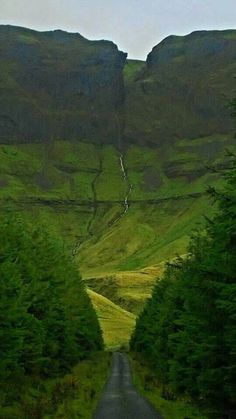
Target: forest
[
  {"x": 187, "y": 330},
  {"x": 47, "y": 322}
]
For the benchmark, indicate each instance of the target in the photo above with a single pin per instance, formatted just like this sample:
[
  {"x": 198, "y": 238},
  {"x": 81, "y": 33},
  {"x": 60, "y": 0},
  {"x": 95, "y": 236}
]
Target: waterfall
[
  {"x": 126, "y": 198},
  {"x": 122, "y": 166}
]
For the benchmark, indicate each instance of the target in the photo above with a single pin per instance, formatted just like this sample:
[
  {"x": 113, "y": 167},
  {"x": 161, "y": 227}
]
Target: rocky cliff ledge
[
  {"x": 58, "y": 85},
  {"x": 184, "y": 89}
]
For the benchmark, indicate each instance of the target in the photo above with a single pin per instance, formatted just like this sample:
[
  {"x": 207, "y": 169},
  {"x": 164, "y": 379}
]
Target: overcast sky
[{"x": 134, "y": 25}]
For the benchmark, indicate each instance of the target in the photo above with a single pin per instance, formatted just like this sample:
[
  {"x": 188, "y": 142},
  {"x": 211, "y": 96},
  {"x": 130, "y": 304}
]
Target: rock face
[
  {"x": 58, "y": 85},
  {"x": 184, "y": 90}
]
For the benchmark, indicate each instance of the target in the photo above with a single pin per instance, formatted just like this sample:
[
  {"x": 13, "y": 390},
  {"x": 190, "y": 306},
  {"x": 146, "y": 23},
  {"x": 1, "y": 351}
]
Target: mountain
[
  {"x": 58, "y": 85},
  {"x": 61, "y": 85},
  {"x": 183, "y": 90},
  {"x": 114, "y": 154}
]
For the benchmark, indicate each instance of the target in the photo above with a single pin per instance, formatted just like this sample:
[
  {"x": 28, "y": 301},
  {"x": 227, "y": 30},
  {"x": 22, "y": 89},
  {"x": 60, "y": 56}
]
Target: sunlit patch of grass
[
  {"x": 117, "y": 324},
  {"x": 128, "y": 289}
]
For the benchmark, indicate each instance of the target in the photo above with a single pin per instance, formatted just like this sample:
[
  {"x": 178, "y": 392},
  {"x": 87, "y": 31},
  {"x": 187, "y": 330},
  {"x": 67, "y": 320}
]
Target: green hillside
[
  {"x": 77, "y": 189},
  {"x": 114, "y": 155},
  {"x": 117, "y": 324}
]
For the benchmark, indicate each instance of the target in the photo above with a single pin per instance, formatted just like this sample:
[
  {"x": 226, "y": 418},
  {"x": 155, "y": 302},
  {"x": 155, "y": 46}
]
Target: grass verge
[
  {"x": 147, "y": 384},
  {"x": 74, "y": 395}
]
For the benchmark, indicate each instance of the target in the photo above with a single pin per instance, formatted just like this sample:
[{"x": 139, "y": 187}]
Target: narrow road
[{"x": 120, "y": 399}]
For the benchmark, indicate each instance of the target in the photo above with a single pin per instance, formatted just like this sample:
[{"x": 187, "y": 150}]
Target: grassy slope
[
  {"x": 60, "y": 184},
  {"x": 128, "y": 289},
  {"x": 148, "y": 235},
  {"x": 117, "y": 324}
]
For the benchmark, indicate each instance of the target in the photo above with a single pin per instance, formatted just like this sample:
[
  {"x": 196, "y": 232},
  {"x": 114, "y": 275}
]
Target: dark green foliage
[
  {"x": 47, "y": 322},
  {"x": 188, "y": 329}
]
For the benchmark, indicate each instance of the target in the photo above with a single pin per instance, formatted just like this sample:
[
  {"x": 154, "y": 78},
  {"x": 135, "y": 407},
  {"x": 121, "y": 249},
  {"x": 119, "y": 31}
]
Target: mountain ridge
[
  {"x": 60, "y": 85},
  {"x": 54, "y": 84},
  {"x": 183, "y": 90},
  {"x": 124, "y": 151}
]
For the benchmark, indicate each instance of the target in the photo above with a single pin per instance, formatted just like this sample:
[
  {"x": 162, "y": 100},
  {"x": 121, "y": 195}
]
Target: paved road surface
[{"x": 120, "y": 399}]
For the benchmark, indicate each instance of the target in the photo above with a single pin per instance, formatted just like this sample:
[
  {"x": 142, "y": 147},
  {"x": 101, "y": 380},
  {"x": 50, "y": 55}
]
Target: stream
[
  {"x": 125, "y": 177},
  {"x": 80, "y": 241},
  {"x": 126, "y": 199},
  {"x": 122, "y": 166}
]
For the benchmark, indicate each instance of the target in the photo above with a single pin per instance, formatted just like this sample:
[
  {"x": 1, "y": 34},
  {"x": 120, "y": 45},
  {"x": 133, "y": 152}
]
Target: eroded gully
[{"x": 126, "y": 204}]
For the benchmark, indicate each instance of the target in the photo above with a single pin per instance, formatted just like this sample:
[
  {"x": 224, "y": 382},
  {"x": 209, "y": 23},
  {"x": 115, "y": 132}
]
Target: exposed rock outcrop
[
  {"x": 184, "y": 90},
  {"x": 61, "y": 85},
  {"x": 58, "y": 85}
]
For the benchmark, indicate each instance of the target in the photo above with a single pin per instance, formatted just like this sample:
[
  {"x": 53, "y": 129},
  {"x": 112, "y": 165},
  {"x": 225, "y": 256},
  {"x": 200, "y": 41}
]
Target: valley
[
  {"x": 115, "y": 155},
  {"x": 130, "y": 234}
]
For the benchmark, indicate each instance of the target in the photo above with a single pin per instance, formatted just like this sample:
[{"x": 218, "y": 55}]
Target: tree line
[
  {"x": 47, "y": 322},
  {"x": 187, "y": 330}
]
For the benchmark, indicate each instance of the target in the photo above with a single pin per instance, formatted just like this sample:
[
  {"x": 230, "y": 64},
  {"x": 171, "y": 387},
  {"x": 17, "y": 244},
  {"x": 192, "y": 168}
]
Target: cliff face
[
  {"x": 58, "y": 85},
  {"x": 184, "y": 89},
  {"x": 61, "y": 96}
]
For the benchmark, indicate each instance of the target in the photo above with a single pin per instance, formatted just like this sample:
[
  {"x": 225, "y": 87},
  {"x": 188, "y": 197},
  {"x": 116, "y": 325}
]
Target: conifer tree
[
  {"x": 47, "y": 322},
  {"x": 187, "y": 331}
]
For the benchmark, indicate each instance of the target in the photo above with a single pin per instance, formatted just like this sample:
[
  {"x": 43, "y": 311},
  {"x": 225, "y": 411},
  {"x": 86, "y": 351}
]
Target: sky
[{"x": 136, "y": 26}]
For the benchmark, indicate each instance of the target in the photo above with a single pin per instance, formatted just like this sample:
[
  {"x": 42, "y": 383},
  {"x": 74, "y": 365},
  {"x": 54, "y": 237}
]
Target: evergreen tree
[
  {"x": 187, "y": 331},
  {"x": 47, "y": 322}
]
